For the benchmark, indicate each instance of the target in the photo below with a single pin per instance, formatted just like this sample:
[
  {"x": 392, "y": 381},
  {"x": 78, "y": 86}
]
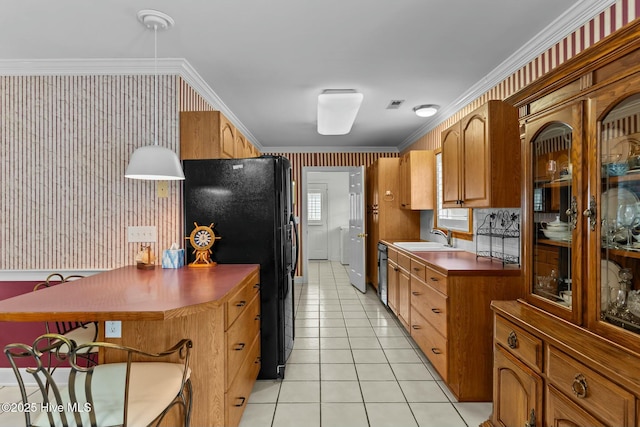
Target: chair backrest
[
  {"x": 93, "y": 395},
  {"x": 65, "y": 327}
]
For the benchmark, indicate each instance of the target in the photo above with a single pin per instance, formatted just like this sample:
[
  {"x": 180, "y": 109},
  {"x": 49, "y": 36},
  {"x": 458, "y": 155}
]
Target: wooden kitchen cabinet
[
  {"x": 518, "y": 392},
  {"x": 392, "y": 280},
  {"x": 384, "y": 218},
  {"x": 580, "y": 150},
  {"x": 404, "y": 290},
  {"x": 449, "y": 314},
  {"x": 417, "y": 180},
  {"x": 210, "y": 135},
  {"x": 481, "y": 159}
]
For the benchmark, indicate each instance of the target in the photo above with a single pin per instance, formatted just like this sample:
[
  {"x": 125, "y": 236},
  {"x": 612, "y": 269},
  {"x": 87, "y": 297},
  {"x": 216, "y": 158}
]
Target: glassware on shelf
[{"x": 627, "y": 218}]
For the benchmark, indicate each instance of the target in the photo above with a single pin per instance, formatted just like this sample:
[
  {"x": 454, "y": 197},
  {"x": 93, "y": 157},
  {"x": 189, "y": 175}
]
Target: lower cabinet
[
  {"x": 392, "y": 280},
  {"x": 242, "y": 350},
  {"x": 517, "y": 390},
  {"x": 585, "y": 380},
  {"x": 449, "y": 317}
]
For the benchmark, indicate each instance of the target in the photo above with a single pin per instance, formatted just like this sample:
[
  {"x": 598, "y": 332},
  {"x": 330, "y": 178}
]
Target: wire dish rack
[{"x": 496, "y": 228}]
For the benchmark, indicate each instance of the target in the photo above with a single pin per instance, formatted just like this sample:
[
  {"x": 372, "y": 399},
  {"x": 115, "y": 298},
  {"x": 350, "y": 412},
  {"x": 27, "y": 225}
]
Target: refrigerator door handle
[{"x": 295, "y": 232}]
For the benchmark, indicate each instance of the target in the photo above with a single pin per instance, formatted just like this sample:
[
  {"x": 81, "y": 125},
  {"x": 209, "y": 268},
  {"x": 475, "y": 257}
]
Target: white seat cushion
[
  {"x": 83, "y": 335},
  {"x": 153, "y": 385}
]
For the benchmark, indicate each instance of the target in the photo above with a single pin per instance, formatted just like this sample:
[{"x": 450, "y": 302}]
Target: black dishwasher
[{"x": 382, "y": 272}]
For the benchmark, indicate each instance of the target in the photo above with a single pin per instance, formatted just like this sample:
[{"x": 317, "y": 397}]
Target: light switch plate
[
  {"x": 163, "y": 189},
  {"x": 113, "y": 329},
  {"x": 145, "y": 234}
]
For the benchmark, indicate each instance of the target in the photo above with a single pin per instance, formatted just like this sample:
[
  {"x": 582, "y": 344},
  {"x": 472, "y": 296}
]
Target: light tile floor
[{"x": 352, "y": 365}]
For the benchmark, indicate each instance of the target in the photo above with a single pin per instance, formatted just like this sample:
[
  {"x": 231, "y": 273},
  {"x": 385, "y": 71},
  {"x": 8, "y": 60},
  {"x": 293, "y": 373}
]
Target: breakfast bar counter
[{"x": 159, "y": 307}]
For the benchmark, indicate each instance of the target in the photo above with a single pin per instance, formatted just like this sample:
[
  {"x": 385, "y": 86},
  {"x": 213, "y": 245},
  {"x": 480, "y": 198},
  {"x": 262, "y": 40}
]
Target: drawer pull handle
[
  {"x": 257, "y": 361},
  {"x": 512, "y": 340},
  {"x": 241, "y": 304},
  {"x": 241, "y": 400},
  {"x": 416, "y": 327},
  {"x": 436, "y": 310},
  {"x": 434, "y": 279},
  {"x": 256, "y": 286},
  {"x": 435, "y": 351},
  {"x": 579, "y": 386},
  {"x": 416, "y": 269},
  {"x": 257, "y": 317},
  {"x": 415, "y": 293},
  {"x": 239, "y": 346}
]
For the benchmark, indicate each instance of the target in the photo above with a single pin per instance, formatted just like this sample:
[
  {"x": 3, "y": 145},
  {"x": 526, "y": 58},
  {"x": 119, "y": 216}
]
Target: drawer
[
  {"x": 240, "y": 336},
  {"x": 436, "y": 280},
  {"x": 433, "y": 345},
  {"x": 392, "y": 254},
  {"x": 404, "y": 261},
  {"x": 431, "y": 305},
  {"x": 560, "y": 408},
  {"x": 418, "y": 269},
  {"x": 238, "y": 302},
  {"x": 238, "y": 394},
  {"x": 591, "y": 391},
  {"x": 520, "y": 343}
]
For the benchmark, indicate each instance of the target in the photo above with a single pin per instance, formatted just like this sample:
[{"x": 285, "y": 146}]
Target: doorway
[
  {"x": 338, "y": 207},
  {"x": 317, "y": 223}
]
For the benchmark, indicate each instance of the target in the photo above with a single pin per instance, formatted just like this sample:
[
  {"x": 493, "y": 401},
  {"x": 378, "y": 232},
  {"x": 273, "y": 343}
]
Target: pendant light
[{"x": 154, "y": 162}]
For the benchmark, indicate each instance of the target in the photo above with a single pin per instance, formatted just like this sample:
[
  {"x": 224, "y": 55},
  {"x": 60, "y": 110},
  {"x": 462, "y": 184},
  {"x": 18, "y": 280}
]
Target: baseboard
[{"x": 8, "y": 379}]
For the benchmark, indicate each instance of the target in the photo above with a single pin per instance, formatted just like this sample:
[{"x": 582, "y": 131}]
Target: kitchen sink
[{"x": 424, "y": 246}]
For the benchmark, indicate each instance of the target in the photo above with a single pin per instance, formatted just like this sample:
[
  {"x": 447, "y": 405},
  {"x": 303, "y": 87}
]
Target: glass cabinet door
[
  {"x": 619, "y": 169},
  {"x": 553, "y": 223}
]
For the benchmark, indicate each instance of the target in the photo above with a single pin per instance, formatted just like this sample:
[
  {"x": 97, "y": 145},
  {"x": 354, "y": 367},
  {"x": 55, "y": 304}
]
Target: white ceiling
[{"x": 265, "y": 61}]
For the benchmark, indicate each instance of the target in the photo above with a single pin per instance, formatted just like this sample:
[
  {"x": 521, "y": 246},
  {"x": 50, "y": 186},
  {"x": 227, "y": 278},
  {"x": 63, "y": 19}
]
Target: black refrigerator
[{"x": 249, "y": 201}]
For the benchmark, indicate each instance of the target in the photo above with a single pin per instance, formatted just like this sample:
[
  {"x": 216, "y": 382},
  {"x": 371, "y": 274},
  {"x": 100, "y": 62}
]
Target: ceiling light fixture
[
  {"x": 154, "y": 162},
  {"x": 337, "y": 110},
  {"x": 427, "y": 110}
]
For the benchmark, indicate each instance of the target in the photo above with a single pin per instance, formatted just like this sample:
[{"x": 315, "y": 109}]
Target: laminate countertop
[
  {"x": 459, "y": 263},
  {"x": 129, "y": 293}
]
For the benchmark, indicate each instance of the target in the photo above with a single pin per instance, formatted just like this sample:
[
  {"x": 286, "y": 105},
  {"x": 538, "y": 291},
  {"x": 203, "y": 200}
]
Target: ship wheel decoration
[{"x": 202, "y": 239}]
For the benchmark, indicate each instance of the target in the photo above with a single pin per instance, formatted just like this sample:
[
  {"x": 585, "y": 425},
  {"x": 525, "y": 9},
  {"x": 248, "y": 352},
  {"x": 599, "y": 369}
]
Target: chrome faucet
[{"x": 446, "y": 235}]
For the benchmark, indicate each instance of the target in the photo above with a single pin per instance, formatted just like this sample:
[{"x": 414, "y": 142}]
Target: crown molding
[
  {"x": 576, "y": 16},
  {"x": 120, "y": 66},
  {"x": 329, "y": 149}
]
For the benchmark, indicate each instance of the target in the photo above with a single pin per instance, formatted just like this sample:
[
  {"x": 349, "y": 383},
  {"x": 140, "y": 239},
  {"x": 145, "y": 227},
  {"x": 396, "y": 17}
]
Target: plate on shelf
[
  {"x": 609, "y": 281},
  {"x": 613, "y": 198}
]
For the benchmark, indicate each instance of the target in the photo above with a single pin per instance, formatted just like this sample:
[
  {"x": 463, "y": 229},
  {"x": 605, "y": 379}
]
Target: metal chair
[
  {"x": 96, "y": 395},
  {"x": 79, "y": 332}
]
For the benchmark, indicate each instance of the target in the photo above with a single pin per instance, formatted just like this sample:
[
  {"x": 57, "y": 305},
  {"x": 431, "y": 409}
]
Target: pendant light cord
[{"x": 155, "y": 73}]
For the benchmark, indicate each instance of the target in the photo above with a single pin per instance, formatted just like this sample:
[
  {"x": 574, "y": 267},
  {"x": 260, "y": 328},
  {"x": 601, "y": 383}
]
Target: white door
[
  {"x": 317, "y": 229},
  {"x": 357, "y": 233}
]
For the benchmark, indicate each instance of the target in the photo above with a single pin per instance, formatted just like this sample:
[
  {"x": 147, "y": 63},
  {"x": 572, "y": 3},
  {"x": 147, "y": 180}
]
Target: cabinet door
[
  {"x": 227, "y": 138},
  {"x": 404, "y": 298},
  {"x": 451, "y": 164},
  {"x": 405, "y": 182},
  {"x": 553, "y": 216},
  {"x": 562, "y": 412},
  {"x": 517, "y": 392},
  {"x": 615, "y": 235},
  {"x": 475, "y": 175},
  {"x": 392, "y": 286}
]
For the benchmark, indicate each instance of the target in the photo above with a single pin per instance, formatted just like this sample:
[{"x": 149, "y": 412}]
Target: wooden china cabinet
[{"x": 568, "y": 354}]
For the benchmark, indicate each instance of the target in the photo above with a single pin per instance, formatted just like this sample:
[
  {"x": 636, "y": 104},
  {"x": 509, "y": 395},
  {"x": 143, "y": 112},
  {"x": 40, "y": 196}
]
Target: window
[
  {"x": 314, "y": 207},
  {"x": 457, "y": 219}
]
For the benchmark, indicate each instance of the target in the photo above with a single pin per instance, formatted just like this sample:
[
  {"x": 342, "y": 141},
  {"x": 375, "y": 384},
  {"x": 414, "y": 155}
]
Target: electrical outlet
[
  {"x": 162, "y": 188},
  {"x": 113, "y": 329},
  {"x": 146, "y": 234}
]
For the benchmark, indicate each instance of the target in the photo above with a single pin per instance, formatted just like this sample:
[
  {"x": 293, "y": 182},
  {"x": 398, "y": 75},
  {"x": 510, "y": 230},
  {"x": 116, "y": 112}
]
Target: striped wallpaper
[
  {"x": 64, "y": 145},
  {"x": 65, "y": 142}
]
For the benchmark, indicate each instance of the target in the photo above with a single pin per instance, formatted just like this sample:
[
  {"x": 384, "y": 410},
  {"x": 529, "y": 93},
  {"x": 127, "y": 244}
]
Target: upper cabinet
[
  {"x": 481, "y": 164},
  {"x": 210, "y": 135},
  {"x": 417, "y": 180}
]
